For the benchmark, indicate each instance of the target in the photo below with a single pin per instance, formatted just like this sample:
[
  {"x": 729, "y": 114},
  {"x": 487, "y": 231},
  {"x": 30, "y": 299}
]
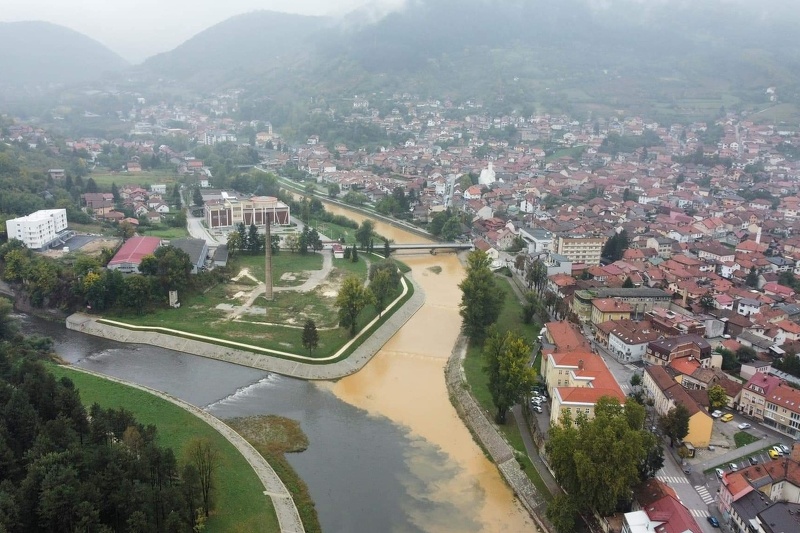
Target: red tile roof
[{"x": 135, "y": 249}]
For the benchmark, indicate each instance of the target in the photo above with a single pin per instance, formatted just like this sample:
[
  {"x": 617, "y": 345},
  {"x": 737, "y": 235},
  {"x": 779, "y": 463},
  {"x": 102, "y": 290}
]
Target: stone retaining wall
[{"x": 489, "y": 437}]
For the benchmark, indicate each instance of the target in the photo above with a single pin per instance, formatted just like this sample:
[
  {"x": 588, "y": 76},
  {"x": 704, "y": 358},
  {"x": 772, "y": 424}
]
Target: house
[
  {"x": 782, "y": 411},
  {"x": 750, "y": 369},
  {"x": 627, "y": 340},
  {"x": 484, "y": 246},
  {"x": 565, "y": 336},
  {"x": 667, "y": 394},
  {"x": 753, "y": 400},
  {"x": 663, "y": 351},
  {"x": 605, "y": 309},
  {"x": 664, "y": 515},
  {"x": 575, "y": 381}
]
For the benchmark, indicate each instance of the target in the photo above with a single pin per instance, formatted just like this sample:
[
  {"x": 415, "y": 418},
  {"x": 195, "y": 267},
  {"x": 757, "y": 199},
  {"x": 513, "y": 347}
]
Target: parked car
[
  {"x": 726, "y": 417},
  {"x": 744, "y": 425},
  {"x": 537, "y": 408},
  {"x": 785, "y": 449},
  {"x": 720, "y": 472},
  {"x": 778, "y": 449},
  {"x": 713, "y": 521},
  {"x": 773, "y": 454},
  {"x": 734, "y": 467},
  {"x": 717, "y": 413},
  {"x": 753, "y": 460}
]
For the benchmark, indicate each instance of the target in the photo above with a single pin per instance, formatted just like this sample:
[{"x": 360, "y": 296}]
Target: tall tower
[{"x": 268, "y": 262}]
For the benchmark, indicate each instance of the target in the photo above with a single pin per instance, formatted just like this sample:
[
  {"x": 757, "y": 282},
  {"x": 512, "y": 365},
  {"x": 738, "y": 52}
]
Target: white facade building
[{"x": 38, "y": 229}]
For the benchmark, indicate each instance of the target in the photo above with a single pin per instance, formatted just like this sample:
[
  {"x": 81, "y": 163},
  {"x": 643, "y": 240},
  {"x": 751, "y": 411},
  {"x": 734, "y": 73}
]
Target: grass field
[
  {"x": 279, "y": 324},
  {"x": 743, "y": 438},
  {"x": 240, "y": 502},
  {"x": 478, "y": 380},
  {"x": 105, "y": 179},
  {"x": 283, "y": 263},
  {"x": 164, "y": 232}
]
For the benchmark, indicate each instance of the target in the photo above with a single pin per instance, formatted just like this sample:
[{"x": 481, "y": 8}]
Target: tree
[
  {"x": 597, "y": 461},
  {"x": 333, "y": 190},
  {"x": 717, "y": 397},
  {"x": 451, "y": 229},
  {"x": 171, "y": 266},
  {"x": 136, "y": 293},
  {"x": 8, "y": 325},
  {"x": 745, "y": 354},
  {"x": 364, "y": 233},
  {"x": 628, "y": 283},
  {"x": 675, "y": 424},
  {"x": 126, "y": 230},
  {"x": 354, "y": 255},
  {"x": 353, "y": 297},
  {"x": 387, "y": 251},
  {"x": 615, "y": 246},
  {"x": 562, "y": 512},
  {"x": 197, "y": 197},
  {"x": 510, "y": 375},
  {"x": 303, "y": 243},
  {"x": 381, "y": 287},
  {"x": 752, "y": 278},
  {"x": 253, "y": 240},
  {"x": 234, "y": 243},
  {"x": 707, "y": 301},
  {"x": 310, "y": 336},
  {"x": 292, "y": 242},
  {"x": 481, "y": 299},
  {"x": 205, "y": 458},
  {"x": 314, "y": 240},
  {"x": 536, "y": 275}
]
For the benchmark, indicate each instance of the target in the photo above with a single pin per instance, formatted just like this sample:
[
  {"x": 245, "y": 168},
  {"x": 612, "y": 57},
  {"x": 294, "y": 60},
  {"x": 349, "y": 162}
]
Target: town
[{"x": 669, "y": 254}]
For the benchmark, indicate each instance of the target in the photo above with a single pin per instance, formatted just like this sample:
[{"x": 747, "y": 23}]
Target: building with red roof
[
  {"x": 575, "y": 381},
  {"x": 129, "y": 256}
]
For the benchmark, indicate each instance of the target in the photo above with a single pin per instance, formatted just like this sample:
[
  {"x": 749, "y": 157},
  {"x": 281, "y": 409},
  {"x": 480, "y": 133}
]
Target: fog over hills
[{"x": 38, "y": 54}]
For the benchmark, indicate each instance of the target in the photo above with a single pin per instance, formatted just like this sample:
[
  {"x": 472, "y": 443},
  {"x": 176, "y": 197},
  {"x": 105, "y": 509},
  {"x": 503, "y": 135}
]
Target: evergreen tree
[
  {"x": 310, "y": 336},
  {"x": 481, "y": 299}
]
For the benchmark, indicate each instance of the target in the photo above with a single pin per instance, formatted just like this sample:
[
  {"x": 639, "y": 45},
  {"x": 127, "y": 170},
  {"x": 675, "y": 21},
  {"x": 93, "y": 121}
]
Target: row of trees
[
  {"x": 249, "y": 240},
  {"x": 63, "y": 469}
]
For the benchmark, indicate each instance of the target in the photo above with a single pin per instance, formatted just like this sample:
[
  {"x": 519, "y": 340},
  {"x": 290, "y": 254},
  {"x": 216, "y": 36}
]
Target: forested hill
[
  {"x": 240, "y": 46},
  {"x": 613, "y": 51},
  {"x": 35, "y": 55}
]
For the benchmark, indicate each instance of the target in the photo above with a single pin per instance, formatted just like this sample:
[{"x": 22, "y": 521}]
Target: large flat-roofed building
[
  {"x": 38, "y": 230},
  {"x": 129, "y": 256},
  {"x": 586, "y": 250},
  {"x": 197, "y": 249},
  {"x": 228, "y": 210}
]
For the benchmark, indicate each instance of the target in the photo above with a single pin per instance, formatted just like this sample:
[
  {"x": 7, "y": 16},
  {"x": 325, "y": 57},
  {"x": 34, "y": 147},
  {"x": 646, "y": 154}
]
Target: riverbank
[
  {"x": 285, "y": 511},
  {"x": 91, "y": 325}
]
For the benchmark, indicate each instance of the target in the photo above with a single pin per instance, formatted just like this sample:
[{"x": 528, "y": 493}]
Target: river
[{"x": 387, "y": 450}]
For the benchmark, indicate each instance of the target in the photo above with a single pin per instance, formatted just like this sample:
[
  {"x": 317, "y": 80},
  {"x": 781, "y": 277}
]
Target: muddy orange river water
[{"x": 405, "y": 383}]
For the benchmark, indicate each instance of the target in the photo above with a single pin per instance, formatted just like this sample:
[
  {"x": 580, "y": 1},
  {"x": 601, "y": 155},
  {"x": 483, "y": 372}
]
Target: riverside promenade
[{"x": 286, "y": 366}]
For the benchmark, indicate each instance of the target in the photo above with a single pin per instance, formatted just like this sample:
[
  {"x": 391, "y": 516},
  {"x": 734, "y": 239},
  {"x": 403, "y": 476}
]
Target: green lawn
[
  {"x": 743, "y": 438},
  {"x": 164, "y": 232},
  {"x": 478, "y": 380},
  {"x": 240, "y": 502},
  {"x": 105, "y": 179}
]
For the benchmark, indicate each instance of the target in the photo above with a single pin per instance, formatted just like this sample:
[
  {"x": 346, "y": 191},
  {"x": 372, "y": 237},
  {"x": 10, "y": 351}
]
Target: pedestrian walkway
[
  {"x": 699, "y": 513},
  {"x": 672, "y": 479},
  {"x": 708, "y": 499}
]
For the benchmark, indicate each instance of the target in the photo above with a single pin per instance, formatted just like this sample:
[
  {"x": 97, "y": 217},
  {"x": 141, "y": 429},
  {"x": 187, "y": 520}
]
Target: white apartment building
[{"x": 38, "y": 229}]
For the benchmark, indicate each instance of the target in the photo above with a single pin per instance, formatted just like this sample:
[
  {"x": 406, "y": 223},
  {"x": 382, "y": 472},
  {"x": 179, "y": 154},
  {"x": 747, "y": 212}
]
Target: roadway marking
[
  {"x": 699, "y": 513},
  {"x": 672, "y": 479},
  {"x": 708, "y": 499}
]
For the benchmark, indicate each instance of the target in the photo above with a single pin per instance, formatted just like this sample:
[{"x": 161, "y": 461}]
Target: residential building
[
  {"x": 627, "y": 340},
  {"x": 575, "y": 381},
  {"x": 664, "y": 351},
  {"x": 586, "y": 250},
  {"x": 671, "y": 322},
  {"x": 605, "y": 309},
  {"x": 229, "y": 211},
  {"x": 130, "y": 254},
  {"x": 564, "y": 336},
  {"x": 753, "y": 401},
  {"x": 666, "y": 515},
  {"x": 782, "y": 410},
  {"x": 667, "y": 394},
  {"x": 39, "y": 229},
  {"x": 538, "y": 240},
  {"x": 642, "y": 299}
]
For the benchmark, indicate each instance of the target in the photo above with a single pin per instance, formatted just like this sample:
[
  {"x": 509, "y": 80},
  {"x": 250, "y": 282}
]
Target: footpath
[{"x": 285, "y": 509}]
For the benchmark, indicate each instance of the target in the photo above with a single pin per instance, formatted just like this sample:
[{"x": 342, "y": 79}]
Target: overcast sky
[{"x": 137, "y": 29}]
